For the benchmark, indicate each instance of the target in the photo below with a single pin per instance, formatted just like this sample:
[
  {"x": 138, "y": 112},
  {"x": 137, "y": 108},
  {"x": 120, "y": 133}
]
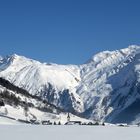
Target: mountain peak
[
  {"x": 134, "y": 47},
  {"x": 21, "y": 59},
  {"x": 14, "y": 55},
  {"x": 97, "y": 58},
  {"x": 131, "y": 49}
]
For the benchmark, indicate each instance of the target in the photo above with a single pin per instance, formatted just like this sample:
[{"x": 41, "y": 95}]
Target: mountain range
[{"x": 106, "y": 88}]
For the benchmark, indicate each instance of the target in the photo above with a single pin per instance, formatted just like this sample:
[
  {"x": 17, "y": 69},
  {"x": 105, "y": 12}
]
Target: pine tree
[
  {"x": 59, "y": 123},
  {"x": 26, "y": 108}
]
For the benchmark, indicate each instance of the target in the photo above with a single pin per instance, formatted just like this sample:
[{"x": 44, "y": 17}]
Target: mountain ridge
[{"x": 100, "y": 89}]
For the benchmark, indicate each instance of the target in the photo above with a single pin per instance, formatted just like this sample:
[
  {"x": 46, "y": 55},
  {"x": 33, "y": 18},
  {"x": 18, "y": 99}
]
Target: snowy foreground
[{"x": 32, "y": 132}]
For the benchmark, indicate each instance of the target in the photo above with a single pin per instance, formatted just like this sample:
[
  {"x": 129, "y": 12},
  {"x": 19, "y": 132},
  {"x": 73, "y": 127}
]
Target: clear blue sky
[{"x": 67, "y": 31}]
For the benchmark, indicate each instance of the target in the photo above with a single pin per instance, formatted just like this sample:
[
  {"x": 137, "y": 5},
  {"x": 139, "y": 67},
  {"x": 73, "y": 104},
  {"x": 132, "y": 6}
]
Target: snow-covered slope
[
  {"x": 17, "y": 107},
  {"x": 102, "y": 89},
  {"x": 37, "y": 78},
  {"x": 110, "y": 83}
]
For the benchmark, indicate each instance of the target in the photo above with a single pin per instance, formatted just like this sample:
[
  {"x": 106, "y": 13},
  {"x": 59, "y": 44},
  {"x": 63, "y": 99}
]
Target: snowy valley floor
[{"x": 32, "y": 132}]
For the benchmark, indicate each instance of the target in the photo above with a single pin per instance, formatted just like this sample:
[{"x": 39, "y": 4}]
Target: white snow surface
[
  {"x": 18, "y": 114},
  {"x": 28, "y": 132},
  {"x": 6, "y": 121},
  {"x": 101, "y": 88}
]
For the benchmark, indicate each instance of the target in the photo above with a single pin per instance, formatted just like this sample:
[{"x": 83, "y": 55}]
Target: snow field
[{"x": 28, "y": 132}]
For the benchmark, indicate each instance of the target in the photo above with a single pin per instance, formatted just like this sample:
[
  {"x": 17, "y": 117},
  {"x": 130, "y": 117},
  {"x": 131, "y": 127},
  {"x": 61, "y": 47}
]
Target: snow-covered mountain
[
  {"x": 105, "y": 88},
  {"x": 50, "y": 81},
  {"x": 110, "y": 85}
]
